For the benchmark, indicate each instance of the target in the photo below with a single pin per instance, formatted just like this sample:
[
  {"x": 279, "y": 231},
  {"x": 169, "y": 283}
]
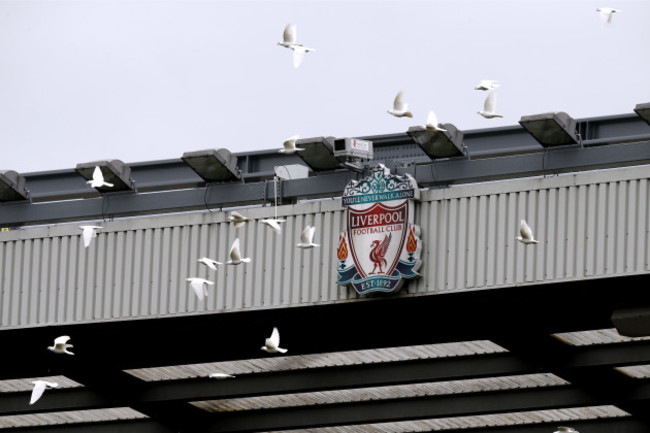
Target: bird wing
[
  {"x": 525, "y": 231},
  {"x": 307, "y": 235},
  {"x": 37, "y": 392},
  {"x": 275, "y": 337},
  {"x": 88, "y": 234},
  {"x": 490, "y": 102},
  {"x": 61, "y": 340},
  {"x": 198, "y": 287},
  {"x": 398, "y": 103},
  {"x": 290, "y": 143},
  {"x": 298, "y": 54},
  {"x": 235, "y": 255},
  {"x": 383, "y": 246},
  {"x": 432, "y": 120},
  {"x": 289, "y": 35},
  {"x": 97, "y": 175},
  {"x": 274, "y": 224}
]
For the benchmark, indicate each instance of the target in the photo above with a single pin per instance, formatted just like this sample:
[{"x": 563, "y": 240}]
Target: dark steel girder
[{"x": 170, "y": 186}]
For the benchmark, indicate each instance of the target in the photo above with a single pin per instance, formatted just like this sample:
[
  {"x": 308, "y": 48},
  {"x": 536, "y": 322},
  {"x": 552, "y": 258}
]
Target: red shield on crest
[{"x": 377, "y": 234}]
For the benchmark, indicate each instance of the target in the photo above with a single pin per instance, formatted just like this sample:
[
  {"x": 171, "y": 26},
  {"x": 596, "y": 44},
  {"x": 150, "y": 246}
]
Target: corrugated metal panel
[
  {"x": 554, "y": 416},
  {"x": 382, "y": 393},
  {"x": 25, "y": 384},
  {"x": 332, "y": 359},
  {"x": 598, "y": 336},
  {"x": 635, "y": 371},
  {"x": 590, "y": 224},
  {"x": 70, "y": 417}
]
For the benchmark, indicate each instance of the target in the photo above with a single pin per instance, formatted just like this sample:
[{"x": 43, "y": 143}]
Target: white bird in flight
[
  {"x": 486, "y": 85},
  {"x": 98, "y": 179},
  {"x": 489, "y": 106},
  {"x": 289, "y": 146},
  {"x": 307, "y": 238},
  {"x": 61, "y": 345},
  {"x": 235, "y": 255},
  {"x": 400, "y": 108},
  {"x": 89, "y": 233},
  {"x": 220, "y": 376},
  {"x": 272, "y": 344},
  {"x": 238, "y": 219},
  {"x": 212, "y": 264},
  {"x": 39, "y": 388},
  {"x": 274, "y": 224},
  {"x": 566, "y": 430},
  {"x": 432, "y": 122},
  {"x": 200, "y": 286},
  {"x": 289, "y": 41},
  {"x": 526, "y": 234},
  {"x": 606, "y": 15}
]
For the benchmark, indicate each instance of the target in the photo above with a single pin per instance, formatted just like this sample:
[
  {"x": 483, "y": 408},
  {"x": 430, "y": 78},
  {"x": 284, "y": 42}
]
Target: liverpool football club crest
[{"x": 382, "y": 244}]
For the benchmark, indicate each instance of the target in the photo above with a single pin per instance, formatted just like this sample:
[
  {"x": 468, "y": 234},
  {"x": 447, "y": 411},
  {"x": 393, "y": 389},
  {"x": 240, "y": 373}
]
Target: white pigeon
[
  {"x": 98, "y": 179},
  {"x": 221, "y": 376},
  {"x": 272, "y": 344},
  {"x": 307, "y": 238},
  {"x": 235, "y": 255},
  {"x": 238, "y": 219},
  {"x": 212, "y": 264},
  {"x": 432, "y": 122},
  {"x": 290, "y": 146},
  {"x": 89, "y": 233},
  {"x": 566, "y": 430},
  {"x": 39, "y": 388},
  {"x": 200, "y": 286},
  {"x": 606, "y": 15},
  {"x": 486, "y": 85},
  {"x": 489, "y": 106},
  {"x": 274, "y": 223},
  {"x": 400, "y": 108},
  {"x": 526, "y": 234},
  {"x": 61, "y": 345},
  {"x": 289, "y": 41}
]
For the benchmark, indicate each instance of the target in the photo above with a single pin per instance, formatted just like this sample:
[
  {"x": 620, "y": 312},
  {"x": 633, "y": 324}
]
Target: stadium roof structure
[{"x": 507, "y": 360}]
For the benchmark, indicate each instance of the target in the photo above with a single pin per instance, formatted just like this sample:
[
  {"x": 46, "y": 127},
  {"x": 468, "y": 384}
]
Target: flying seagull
[
  {"x": 200, "y": 286},
  {"x": 89, "y": 233},
  {"x": 61, "y": 345},
  {"x": 566, "y": 430},
  {"x": 220, "y": 376},
  {"x": 489, "y": 106},
  {"x": 212, "y": 264},
  {"x": 432, "y": 122},
  {"x": 526, "y": 234},
  {"x": 290, "y": 146},
  {"x": 238, "y": 219},
  {"x": 274, "y": 223},
  {"x": 272, "y": 344},
  {"x": 235, "y": 255},
  {"x": 98, "y": 179},
  {"x": 486, "y": 85},
  {"x": 307, "y": 238},
  {"x": 400, "y": 108},
  {"x": 289, "y": 41},
  {"x": 606, "y": 15},
  {"x": 39, "y": 387}
]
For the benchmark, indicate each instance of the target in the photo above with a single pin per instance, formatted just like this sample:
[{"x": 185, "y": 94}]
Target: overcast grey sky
[{"x": 148, "y": 80}]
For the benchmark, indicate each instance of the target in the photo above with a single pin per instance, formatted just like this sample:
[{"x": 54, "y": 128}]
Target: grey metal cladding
[{"x": 590, "y": 224}]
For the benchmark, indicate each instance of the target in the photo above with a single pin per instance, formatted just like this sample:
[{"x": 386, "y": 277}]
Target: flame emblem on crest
[
  {"x": 342, "y": 251},
  {"x": 411, "y": 243}
]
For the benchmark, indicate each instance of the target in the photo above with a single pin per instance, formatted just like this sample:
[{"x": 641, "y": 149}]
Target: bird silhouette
[{"x": 378, "y": 252}]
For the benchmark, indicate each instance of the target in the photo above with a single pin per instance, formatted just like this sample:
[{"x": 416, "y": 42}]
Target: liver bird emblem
[{"x": 378, "y": 252}]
